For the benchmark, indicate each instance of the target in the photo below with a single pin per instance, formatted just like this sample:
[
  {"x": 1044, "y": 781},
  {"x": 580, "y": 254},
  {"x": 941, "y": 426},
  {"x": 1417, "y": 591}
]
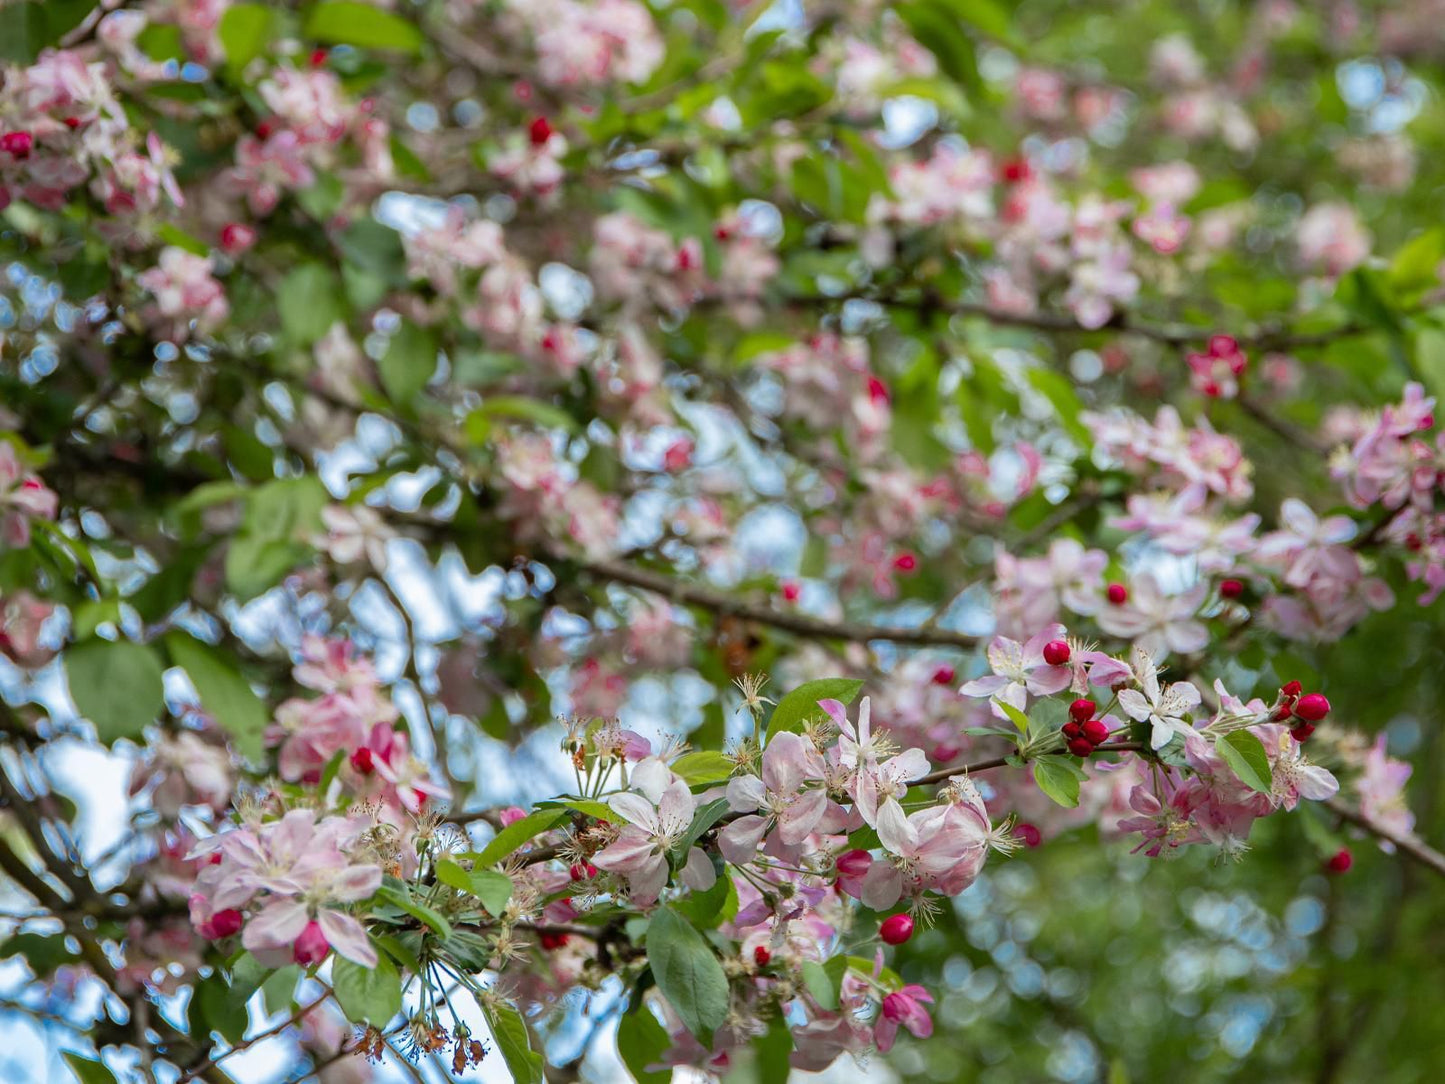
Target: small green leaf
[
  {"x": 1245, "y": 755},
  {"x": 822, "y": 985},
  {"x": 224, "y": 692},
  {"x": 86, "y": 1070},
  {"x": 1018, "y": 718},
  {"x": 409, "y": 363},
  {"x": 514, "y": 835},
  {"x": 510, "y": 1033},
  {"x": 492, "y": 888},
  {"x": 688, "y": 973},
  {"x": 399, "y": 896},
  {"x": 308, "y": 301},
  {"x": 1056, "y": 779},
  {"x": 348, "y": 22},
  {"x": 642, "y": 1041},
  {"x": 117, "y": 685},
  {"x": 801, "y": 705},
  {"x": 243, "y": 30},
  {"x": 367, "y": 995},
  {"x": 703, "y": 766}
]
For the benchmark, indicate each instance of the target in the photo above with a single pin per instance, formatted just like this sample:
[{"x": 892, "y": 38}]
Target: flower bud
[
  {"x": 17, "y": 144},
  {"x": 363, "y": 761},
  {"x": 1231, "y": 588},
  {"x": 1081, "y": 747},
  {"x": 896, "y": 929},
  {"x": 1118, "y": 594},
  {"x": 1031, "y": 836},
  {"x": 1056, "y": 653},
  {"x": 1302, "y": 732},
  {"x": 311, "y": 946},
  {"x": 1096, "y": 732},
  {"x": 539, "y": 131},
  {"x": 1312, "y": 708},
  {"x": 761, "y": 955},
  {"x": 854, "y": 863},
  {"x": 1340, "y": 861}
]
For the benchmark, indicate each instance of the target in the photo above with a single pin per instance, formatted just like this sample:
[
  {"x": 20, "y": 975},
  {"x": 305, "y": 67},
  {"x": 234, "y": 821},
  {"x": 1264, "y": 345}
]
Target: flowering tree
[{"x": 533, "y": 521}]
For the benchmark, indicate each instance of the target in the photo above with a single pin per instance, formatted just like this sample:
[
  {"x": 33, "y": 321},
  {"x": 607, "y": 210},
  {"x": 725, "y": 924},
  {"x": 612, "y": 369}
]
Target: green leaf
[
  {"x": 937, "y": 31},
  {"x": 43, "y": 952},
  {"x": 709, "y": 910},
  {"x": 703, "y": 766},
  {"x": 1048, "y": 715},
  {"x": 514, "y": 835},
  {"x": 822, "y": 985},
  {"x": 520, "y": 407},
  {"x": 492, "y": 888},
  {"x": 26, "y": 29},
  {"x": 86, "y": 1070},
  {"x": 1059, "y": 391},
  {"x": 510, "y": 1033},
  {"x": 224, "y": 692},
  {"x": 347, "y": 22},
  {"x": 308, "y": 300},
  {"x": 1055, "y": 779},
  {"x": 255, "y": 565},
  {"x": 280, "y": 987},
  {"x": 642, "y": 1041},
  {"x": 398, "y": 895},
  {"x": 801, "y": 705},
  {"x": 217, "y": 1009},
  {"x": 1018, "y": 718},
  {"x": 702, "y": 820},
  {"x": 244, "y": 30},
  {"x": 117, "y": 685},
  {"x": 367, "y": 995},
  {"x": 688, "y": 973},
  {"x": 409, "y": 362},
  {"x": 1245, "y": 755}
]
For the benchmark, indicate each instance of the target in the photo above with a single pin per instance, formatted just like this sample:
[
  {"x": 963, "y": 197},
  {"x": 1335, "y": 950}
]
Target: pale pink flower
[
  {"x": 790, "y": 763},
  {"x": 1018, "y": 670},
  {"x": 657, "y": 818},
  {"x": 1156, "y": 622},
  {"x": 1163, "y": 707}
]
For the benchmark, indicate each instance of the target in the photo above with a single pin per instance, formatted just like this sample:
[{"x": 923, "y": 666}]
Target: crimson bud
[
  {"x": 1118, "y": 594},
  {"x": 1081, "y": 710},
  {"x": 896, "y": 929},
  {"x": 1056, "y": 652},
  {"x": 1313, "y": 707},
  {"x": 1096, "y": 732},
  {"x": 1081, "y": 747},
  {"x": 1231, "y": 588},
  {"x": 1340, "y": 861},
  {"x": 539, "y": 131},
  {"x": 761, "y": 955}
]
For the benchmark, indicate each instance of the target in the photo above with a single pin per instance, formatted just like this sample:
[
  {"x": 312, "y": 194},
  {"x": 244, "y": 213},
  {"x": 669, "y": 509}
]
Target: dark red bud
[
  {"x": 1031, "y": 836},
  {"x": 1073, "y": 731},
  {"x": 1231, "y": 589},
  {"x": 1056, "y": 652},
  {"x": 1081, "y": 747},
  {"x": 896, "y": 929},
  {"x": 1291, "y": 688},
  {"x": 363, "y": 761},
  {"x": 539, "y": 131},
  {"x": 1340, "y": 861},
  {"x": 1118, "y": 594},
  {"x": 1302, "y": 732},
  {"x": 1312, "y": 708},
  {"x": 761, "y": 955},
  {"x": 1096, "y": 731}
]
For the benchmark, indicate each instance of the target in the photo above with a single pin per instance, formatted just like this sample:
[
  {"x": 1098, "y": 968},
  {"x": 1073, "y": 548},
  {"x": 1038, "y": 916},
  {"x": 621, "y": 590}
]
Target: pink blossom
[
  {"x": 1018, "y": 670},
  {"x": 904, "y": 1007},
  {"x": 1163, "y": 707},
  {"x": 657, "y": 818},
  {"x": 1157, "y": 623},
  {"x": 789, "y": 763}
]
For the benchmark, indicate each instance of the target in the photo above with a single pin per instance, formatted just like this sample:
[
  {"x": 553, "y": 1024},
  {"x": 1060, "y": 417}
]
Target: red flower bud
[
  {"x": 224, "y": 924},
  {"x": 905, "y": 562},
  {"x": 237, "y": 238},
  {"x": 318, "y": 57},
  {"x": 1231, "y": 589},
  {"x": 1312, "y": 708},
  {"x": 1096, "y": 731},
  {"x": 1291, "y": 688},
  {"x": 539, "y": 131},
  {"x": 1302, "y": 732},
  {"x": 761, "y": 955},
  {"x": 312, "y": 946},
  {"x": 552, "y": 941},
  {"x": 1118, "y": 594},
  {"x": 1031, "y": 836},
  {"x": 17, "y": 144},
  {"x": 1081, "y": 710},
  {"x": 1223, "y": 346},
  {"x": 792, "y": 589},
  {"x": 1073, "y": 731},
  {"x": 944, "y": 675},
  {"x": 896, "y": 929},
  {"x": 363, "y": 761},
  {"x": 1081, "y": 747},
  {"x": 1056, "y": 653},
  {"x": 1340, "y": 861}
]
